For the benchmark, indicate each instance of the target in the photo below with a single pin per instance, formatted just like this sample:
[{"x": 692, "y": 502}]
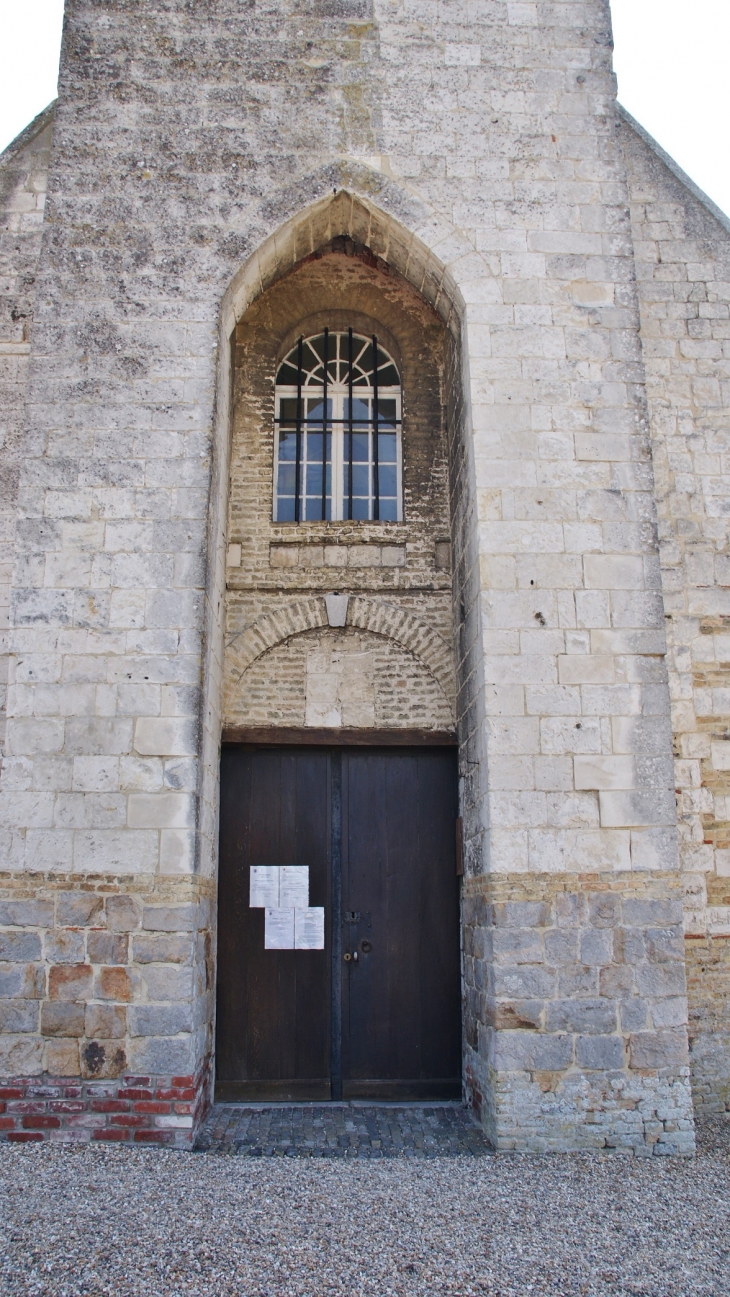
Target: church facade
[{"x": 365, "y": 492}]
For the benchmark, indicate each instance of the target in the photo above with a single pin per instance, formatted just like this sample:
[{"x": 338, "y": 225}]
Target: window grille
[{"x": 338, "y": 431}]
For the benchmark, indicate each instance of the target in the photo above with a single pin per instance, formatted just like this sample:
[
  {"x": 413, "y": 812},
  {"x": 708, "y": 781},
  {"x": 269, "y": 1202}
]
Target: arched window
[{"x": 338, "y": 431}]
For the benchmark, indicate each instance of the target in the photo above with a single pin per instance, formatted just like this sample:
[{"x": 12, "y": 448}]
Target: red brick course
[{"x": 133, "y": 1109}]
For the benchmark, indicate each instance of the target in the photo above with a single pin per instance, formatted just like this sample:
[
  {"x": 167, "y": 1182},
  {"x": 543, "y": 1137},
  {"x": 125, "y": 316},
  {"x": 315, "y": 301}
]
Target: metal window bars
[{"x": 325, "y": 421}]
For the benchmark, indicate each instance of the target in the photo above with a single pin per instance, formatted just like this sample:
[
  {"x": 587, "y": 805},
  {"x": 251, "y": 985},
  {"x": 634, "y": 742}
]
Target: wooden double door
[{"x": 374, "y": 1012}]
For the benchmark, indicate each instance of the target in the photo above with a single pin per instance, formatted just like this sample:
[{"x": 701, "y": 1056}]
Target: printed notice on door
[
  {"x": 264, "y": 886},
  {"x": 309, "y": 928},
  {"x": 278, "y": 929},
  {"x": 291, "y": 923},
  {"x": 294, "y": 886}
]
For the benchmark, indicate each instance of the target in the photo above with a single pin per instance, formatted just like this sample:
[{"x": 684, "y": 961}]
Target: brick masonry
[
  {"x": 558, "y": 297},
  {"x": 147, "y": 1110}
]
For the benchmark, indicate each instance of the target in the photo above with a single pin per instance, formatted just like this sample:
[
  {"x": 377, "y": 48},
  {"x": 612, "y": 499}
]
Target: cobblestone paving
[{"x": 351, "y": 1130}]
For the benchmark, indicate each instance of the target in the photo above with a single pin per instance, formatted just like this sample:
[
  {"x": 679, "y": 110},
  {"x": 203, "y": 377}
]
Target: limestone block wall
[
  {"x": 199, "y": 153},
  {"x": 23, "y": 181},
  {"x": 682, "y": 249}
]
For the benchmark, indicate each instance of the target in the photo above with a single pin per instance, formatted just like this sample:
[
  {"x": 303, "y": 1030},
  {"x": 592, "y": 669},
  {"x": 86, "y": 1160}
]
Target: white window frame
[{"x": 337, "y": 395}]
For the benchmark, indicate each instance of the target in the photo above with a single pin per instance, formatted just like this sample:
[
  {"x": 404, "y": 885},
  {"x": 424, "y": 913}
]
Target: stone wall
[
  {"x": 200, "y": 154},
  {"x": 576, "y": 1011},
  {"x": 682, "y": 247},
  {"x": 106, "y": 987},
  {"x": 23, "y": 181}
]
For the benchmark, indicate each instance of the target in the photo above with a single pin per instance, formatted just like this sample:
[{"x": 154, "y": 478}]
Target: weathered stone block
[
  {"x": 661, "y": 980},
  {"x": 61, "y": 1058},
  {"x": 561, "y": 946},
  {"x": 517, "y": 946},
  {"x": 169, "y": 918},
  {"x": 20, "y": 1055},
  {"x": 589, "y": 1017},
  {"x": 123, "y": 913},
  {"x": 70, "y": 982},
  {"x": 22, "y": 981},
  {"x": 105, "y": 1021},
  {"x": 169, "y": 1054},
  {"x": 19, "y": 947},
  {"x": 658, "y": 1049},
  {"x": 64, "y": 946},
  {"x": 113, "y": 984},
  {"x": 600, "y": 1053},
  {"x": 106, "y": 1058},
  {"x": 26, "y": 914},
  {"x": 159, "y": 1019},
  {"x": 79, "y": 909},
  {"x": 596, "y": 947},
  {"x": 61, "y": 1018},
  {"x": 107, "y": 947},
  {"x": 159, "y": 948},
  {"x": 18, "y": 1015},
  {"x": 532, "y": 1052}
]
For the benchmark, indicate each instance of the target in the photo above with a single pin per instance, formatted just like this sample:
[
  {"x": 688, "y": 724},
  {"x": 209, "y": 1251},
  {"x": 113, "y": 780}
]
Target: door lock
[{"x": 354, "y": 956}]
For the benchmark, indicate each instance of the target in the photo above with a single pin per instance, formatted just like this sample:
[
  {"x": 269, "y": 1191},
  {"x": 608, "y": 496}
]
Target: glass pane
[
  {"x": 360, "y": 409},
  {"x": 360, "y": 446},
  {"x": 386, "y": 480},
  {"x": 315, "y": 409},
  {"x": 388, "y": 510},
  {"x": 360, "y": 510},
  {"x": 287, "y": 375},
  {"x": 287, "y": 446},
  {"x": 360, "y": 479},
  {"x": 285, "y": 509},
  {"x": 388, "y": 375},
  {"x": 386, "y": 448},
  {"x": 285, "y": 484},
  {"x": 288, "y": 409},
  {"x": 314, "y": 479},
  {"x": 314, "y": 508},
  {"x": 386, "y": 411},
  {"x": 314, "y": 446}
]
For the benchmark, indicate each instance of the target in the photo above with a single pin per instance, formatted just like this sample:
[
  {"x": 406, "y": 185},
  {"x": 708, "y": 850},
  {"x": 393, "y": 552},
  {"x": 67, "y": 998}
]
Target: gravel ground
[{"x": 91, "y": 1220}]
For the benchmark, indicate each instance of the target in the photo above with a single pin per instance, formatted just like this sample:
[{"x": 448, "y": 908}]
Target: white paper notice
[
  {"x": 294, "y": 886},
  {"x": 279, "y": 929},
  {"x": 264, "y": 886},
  {"x": 309, "y": 928}
]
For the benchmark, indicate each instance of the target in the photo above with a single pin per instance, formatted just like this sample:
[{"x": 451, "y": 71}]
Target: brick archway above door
[{"x": 375, "y": 616}]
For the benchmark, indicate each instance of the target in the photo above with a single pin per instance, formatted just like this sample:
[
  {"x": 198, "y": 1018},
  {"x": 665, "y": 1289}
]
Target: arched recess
[
  {"x": 379, "y": 618},
  {"x": 342, "y": 199}
]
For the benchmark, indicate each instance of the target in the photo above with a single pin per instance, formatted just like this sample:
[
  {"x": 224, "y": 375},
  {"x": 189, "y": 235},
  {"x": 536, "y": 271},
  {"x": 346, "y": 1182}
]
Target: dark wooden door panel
[
  {"x": 400, "y": 1027},
  {"x": 401, "y": 996},
  {"x": 273, "y": 1032}
]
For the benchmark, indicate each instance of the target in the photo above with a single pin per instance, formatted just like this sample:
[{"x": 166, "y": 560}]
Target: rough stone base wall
[
  {"x": 575, "y": 1016},
  {"x": 708, "y": 995},
  {"x": 134, "y": 1109},
  {"x": 103, "y": 980}
]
